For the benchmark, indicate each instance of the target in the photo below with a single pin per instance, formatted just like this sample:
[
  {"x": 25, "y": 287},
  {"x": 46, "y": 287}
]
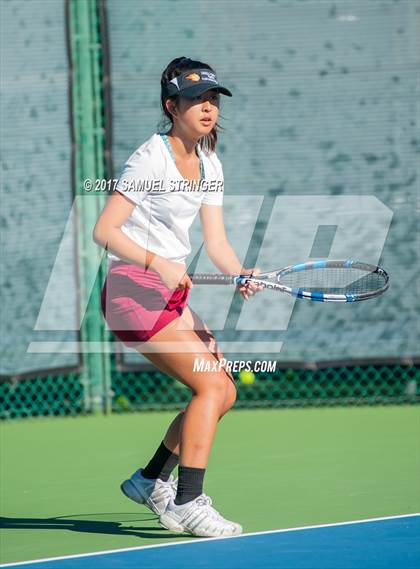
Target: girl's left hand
[{"x": 250, "y": 289}]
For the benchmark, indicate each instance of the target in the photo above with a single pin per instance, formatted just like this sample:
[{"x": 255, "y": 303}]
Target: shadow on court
[{"x": 98, "y": 526}]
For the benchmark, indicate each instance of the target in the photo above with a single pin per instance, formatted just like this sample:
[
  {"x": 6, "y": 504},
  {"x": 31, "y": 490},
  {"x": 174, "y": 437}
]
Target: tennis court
[
  {"x": 319, "y": 459},
  {"x": 61, "y": 496}
]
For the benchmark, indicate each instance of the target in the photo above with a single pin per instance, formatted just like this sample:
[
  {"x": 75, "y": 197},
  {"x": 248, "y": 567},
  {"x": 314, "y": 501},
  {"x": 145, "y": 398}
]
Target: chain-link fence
[
  {"x": 66, "y": 395},
  {"x": 52, "y": 395},
  {"x": 288, "y": 387}
]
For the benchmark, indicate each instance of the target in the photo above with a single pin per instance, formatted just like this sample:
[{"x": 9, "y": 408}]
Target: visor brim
[{"x": 200, "y": 88}]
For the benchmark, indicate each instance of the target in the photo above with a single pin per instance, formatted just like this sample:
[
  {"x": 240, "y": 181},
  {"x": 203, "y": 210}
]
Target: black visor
[{"x": 194, "y": 83}]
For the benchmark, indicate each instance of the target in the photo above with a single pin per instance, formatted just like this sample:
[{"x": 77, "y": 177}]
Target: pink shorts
[{"x": 137, "y": 304}]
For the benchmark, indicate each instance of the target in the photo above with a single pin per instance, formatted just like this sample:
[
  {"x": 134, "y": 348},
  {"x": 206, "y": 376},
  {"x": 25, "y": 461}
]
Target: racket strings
[{"x": 334, "y": 280}]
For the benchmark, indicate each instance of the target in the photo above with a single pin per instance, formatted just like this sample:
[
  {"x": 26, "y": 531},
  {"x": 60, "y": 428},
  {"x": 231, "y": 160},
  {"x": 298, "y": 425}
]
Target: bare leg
[
  {"x": 173, "y": 434},
  {"x": 213, "y": 393}
]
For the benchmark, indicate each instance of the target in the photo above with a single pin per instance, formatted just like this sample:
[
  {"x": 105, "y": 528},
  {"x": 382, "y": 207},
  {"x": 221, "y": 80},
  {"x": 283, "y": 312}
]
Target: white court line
[{"x": 207, "y": 539}]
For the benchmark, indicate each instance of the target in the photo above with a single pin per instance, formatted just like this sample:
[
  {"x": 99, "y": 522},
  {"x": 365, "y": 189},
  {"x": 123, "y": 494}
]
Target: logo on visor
[
  {"x": 208, "y": 76},
  {"x": 193, "y": 77}
]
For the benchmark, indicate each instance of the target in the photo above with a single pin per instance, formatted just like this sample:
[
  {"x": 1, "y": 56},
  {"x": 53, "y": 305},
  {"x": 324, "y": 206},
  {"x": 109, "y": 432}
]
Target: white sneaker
[
  {"x": 153, "y": 493},
  {"x": 197, "y": 517}
]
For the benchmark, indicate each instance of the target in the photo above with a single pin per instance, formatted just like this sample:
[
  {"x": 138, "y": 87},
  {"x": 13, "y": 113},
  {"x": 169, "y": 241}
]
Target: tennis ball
[
  {"x": 123, "y": 402},
  {"x": 247, "y": 377}
]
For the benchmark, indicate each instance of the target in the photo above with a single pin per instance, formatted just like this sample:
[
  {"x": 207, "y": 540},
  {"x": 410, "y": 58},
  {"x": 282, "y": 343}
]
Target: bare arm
[
  {"x": 107, "y": 232},
  {"x": 220, "y": 250}
]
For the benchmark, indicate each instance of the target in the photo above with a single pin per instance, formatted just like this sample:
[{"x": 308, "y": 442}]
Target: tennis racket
[{"x": 322, "y": 281}]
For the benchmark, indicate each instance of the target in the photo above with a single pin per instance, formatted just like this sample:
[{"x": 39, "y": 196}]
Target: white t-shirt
[{"x": 165, "y": 209}]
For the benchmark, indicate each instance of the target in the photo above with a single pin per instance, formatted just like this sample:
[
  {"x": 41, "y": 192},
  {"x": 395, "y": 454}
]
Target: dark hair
[{"x": 175, "y": 68}]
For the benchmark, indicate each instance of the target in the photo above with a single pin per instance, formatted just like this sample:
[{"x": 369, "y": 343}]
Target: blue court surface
[{"x": 379, "y": 543}]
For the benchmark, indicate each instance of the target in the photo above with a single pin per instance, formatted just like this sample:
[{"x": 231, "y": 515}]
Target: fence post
[{"x": 89, "y": 162}]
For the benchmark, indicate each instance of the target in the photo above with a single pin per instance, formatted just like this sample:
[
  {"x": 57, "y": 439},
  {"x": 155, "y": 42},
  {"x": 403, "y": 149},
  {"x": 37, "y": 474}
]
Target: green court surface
[{"x": 269, "y": 469}]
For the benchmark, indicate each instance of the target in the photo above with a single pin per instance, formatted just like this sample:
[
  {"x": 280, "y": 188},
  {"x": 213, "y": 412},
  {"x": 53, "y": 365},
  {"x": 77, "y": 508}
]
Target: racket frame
[{"x": 300, "y": 292}]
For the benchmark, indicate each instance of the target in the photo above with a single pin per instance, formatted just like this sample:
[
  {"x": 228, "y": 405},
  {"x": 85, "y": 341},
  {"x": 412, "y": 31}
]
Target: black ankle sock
[
  {"x": 168, "y": 467},
  {"x": 161, "y": 464},
  {"x": 190, "y": 484}
]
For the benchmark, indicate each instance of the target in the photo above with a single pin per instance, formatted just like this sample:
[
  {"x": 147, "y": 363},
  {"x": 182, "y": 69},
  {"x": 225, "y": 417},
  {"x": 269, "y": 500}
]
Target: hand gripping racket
[{"x": 323, "y": 281}]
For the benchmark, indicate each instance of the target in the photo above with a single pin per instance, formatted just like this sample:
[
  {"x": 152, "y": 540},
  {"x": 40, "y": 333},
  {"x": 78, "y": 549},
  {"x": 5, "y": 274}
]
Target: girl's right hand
[{"x": 174, "y": 275}]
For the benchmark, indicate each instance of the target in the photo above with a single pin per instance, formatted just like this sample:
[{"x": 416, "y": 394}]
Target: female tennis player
[{"x": 144, "y": 226}]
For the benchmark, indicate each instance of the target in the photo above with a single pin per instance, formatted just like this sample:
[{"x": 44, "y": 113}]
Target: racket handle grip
[{"x": 203, "y": 278}]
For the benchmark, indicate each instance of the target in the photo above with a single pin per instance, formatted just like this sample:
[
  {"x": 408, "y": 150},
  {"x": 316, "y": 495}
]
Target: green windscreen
[
  {"x": 320, "y": 150},
  {"x": 37, "y": 241},
  {"x": 320, "y": 155}
]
